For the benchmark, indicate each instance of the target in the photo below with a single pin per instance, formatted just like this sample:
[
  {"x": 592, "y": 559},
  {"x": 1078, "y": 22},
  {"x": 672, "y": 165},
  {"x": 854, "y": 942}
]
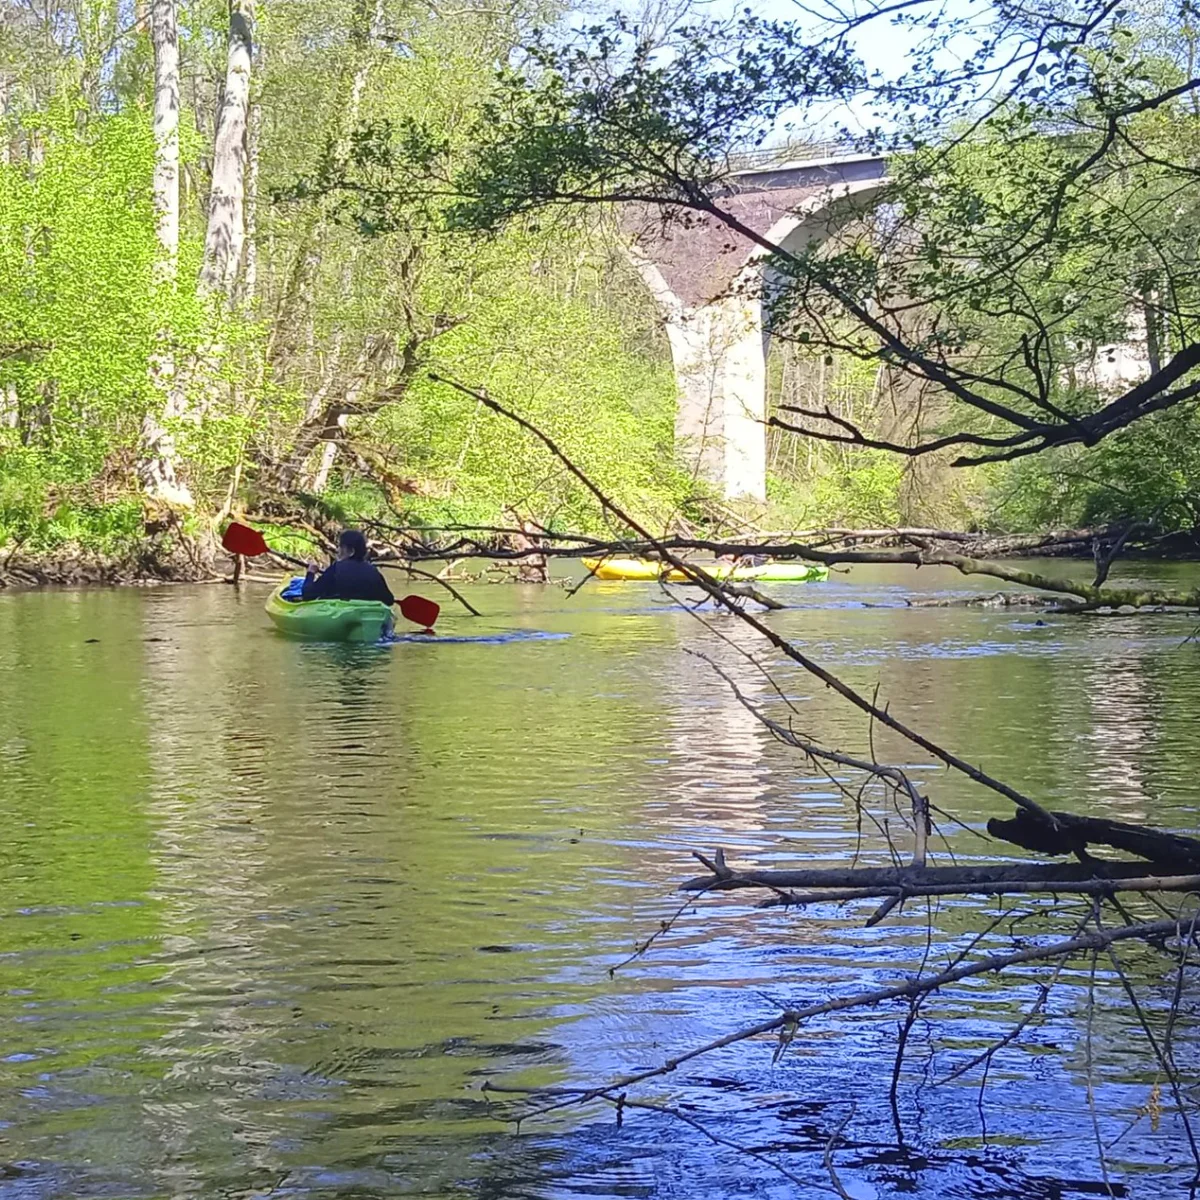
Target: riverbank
[
  {"x": 151, "y": 562},
  {"x": 81, "y": 568}
]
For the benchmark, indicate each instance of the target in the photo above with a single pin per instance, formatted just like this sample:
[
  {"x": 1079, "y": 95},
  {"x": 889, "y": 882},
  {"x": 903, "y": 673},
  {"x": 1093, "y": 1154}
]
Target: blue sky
[{"x": 883, "y": 45}]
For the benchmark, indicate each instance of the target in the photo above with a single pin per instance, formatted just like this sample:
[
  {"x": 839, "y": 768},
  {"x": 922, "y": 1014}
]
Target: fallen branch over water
[
  {"x": 912, "y": 550},
  {"x": 1099, "y": 882},
  {"x": 713, "y": 587},
  {"x": 990, "y": 880},
  {"x": 1073, "y": 835}
]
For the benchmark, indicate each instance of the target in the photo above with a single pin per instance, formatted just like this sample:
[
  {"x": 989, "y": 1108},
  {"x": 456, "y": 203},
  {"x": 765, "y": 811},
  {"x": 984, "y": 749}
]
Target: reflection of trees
[
  {"x": 207, "y": 754},
  {"x": 361, "y": 851},
  {"x": 365, "y": 896},
  {"x": 72, "y": 749}
]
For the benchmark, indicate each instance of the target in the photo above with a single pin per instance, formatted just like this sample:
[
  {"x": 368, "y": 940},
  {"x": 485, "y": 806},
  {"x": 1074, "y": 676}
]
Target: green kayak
[
  {"x": 329, "y": 620},
  {"x": 777, "y": 572}
]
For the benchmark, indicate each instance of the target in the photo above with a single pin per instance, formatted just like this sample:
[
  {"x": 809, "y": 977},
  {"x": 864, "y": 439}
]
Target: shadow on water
[{"x": 271, "y": 914}]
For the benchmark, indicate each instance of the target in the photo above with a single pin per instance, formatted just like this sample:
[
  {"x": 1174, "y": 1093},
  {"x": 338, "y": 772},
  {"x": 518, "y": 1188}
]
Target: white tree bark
[
  {"x": 10, "y": 407},
  {"x": 225, "y": 238},
  {"x": 164, "y": 34},
  {"x": 328, "y": 455},
  {"x": 5, "y": 91},
  {"x": 158, "y": 466}
]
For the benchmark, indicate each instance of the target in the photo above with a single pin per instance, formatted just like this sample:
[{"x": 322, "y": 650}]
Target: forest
[
  {"x": 189, "y": 327},
  {"x": 239, "y": 242}
]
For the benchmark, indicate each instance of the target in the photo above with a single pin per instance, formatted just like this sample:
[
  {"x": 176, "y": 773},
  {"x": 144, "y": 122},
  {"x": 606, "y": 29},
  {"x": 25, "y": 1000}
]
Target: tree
[
  {"x": 158, "y": 467},
  {"x": 155, "y": 383},
  {"x": 225, "y": 237}
]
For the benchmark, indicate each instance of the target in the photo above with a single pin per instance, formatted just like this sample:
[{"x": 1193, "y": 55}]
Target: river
[{"x": 271, "y": 913}]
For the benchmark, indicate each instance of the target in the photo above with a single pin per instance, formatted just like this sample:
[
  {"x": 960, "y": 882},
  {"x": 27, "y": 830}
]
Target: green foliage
[
  {"x": 561, "y": 364},
  {"x": 390, "y": 293},
  {"x": 397, "y": 229},
  {"x": 858, "y": 489},
  {"x": 1011, "y": 249},
  {"x": 1149, "y": 472},
  {"x": 78, "y": 310},
  {"x": 77, "y": 297},
  {"x": 811, "y": 482},
  {"x": 84, "y": 313},
  {"x": 592, "y": 107}
]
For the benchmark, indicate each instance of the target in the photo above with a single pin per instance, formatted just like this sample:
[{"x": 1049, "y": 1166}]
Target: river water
[{"x": 271, "y": 914}]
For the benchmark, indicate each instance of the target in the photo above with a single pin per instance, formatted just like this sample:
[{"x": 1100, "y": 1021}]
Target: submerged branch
[{"x": 1075, "y": 834}]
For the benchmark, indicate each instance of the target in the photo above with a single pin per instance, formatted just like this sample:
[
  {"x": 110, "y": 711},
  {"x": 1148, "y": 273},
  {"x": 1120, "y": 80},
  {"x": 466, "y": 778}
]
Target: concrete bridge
[{"x": 707, "y": 281}]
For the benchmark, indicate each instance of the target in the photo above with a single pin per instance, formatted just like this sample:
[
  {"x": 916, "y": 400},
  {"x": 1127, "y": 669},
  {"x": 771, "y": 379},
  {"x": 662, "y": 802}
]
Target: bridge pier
[
  {"x": 720, "y": 357},
  {"x": 707, "y": 281}
]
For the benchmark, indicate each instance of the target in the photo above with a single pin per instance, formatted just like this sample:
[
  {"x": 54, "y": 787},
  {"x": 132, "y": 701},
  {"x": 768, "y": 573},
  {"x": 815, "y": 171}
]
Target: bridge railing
[{"x": 770, "y": 156}]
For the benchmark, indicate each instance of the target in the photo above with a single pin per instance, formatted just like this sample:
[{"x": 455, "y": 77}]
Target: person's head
[{"x": 352, "y": 544}]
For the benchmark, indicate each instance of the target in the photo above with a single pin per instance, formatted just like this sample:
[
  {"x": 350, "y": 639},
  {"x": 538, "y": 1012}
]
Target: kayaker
[{"x": 351, "y": 577}]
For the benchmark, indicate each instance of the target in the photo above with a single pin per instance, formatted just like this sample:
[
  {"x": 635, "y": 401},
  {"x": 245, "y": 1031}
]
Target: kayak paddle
[
  {"x": 241, "y": 539},
  {"x": 249, "y": 543},
  {"x": 419, "y": 611}
]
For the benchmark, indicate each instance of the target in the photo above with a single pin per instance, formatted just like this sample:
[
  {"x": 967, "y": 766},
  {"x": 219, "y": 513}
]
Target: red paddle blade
[
  {"x": 419, "y": 611},
  {"x": 241, "y": 539}
]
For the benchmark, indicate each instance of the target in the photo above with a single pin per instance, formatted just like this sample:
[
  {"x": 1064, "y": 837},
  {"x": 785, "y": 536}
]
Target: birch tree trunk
[
  {"x": 224, "y": 240},
  {"x": 159, "y": 461},
  {"x": 5, "y": 90},
  {"x": 164, "y": 33},
  {"x": 328, "y": 455}
]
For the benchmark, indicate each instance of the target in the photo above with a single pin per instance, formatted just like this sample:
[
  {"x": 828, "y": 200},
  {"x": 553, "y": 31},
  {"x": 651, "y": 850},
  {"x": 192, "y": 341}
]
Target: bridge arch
[{"x": 707, "y": 282}]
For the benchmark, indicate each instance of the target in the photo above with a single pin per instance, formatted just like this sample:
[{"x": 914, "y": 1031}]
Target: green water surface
[{"x": 270, "y": 913}]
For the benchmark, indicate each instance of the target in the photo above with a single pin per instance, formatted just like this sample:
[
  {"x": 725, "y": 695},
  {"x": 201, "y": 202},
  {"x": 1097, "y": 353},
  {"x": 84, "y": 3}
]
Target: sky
[{"x": 883, "y": 46}]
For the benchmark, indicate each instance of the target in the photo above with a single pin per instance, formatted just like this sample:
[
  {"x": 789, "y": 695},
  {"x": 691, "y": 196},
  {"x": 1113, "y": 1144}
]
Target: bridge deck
[{"x": 699, "y": 257}]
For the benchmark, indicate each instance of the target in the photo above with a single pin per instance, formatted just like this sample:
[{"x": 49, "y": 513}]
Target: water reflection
[
  {"x": 1123, "y": 702},
  {"x": 719, "y": 777},
  {"x": 270, "y": 914}
]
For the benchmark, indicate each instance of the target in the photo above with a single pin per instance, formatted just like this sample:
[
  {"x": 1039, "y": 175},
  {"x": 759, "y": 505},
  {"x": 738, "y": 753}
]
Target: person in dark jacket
[{"x": 351, "y": 577}]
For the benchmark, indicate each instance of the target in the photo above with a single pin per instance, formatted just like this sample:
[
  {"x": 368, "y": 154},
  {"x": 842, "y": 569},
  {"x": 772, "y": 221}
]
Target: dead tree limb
[
  {"x": 1141, "y": 884},
  {"x": 1078, "y": 595},
  {"x": 991, "y": 879},
  {"x": 1075, "y": 834}
]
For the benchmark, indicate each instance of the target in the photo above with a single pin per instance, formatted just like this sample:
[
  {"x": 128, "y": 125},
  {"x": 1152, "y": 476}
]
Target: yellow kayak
[
  {"x": 625, "y": 568},
  {"x": 642, "y": 570}
]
